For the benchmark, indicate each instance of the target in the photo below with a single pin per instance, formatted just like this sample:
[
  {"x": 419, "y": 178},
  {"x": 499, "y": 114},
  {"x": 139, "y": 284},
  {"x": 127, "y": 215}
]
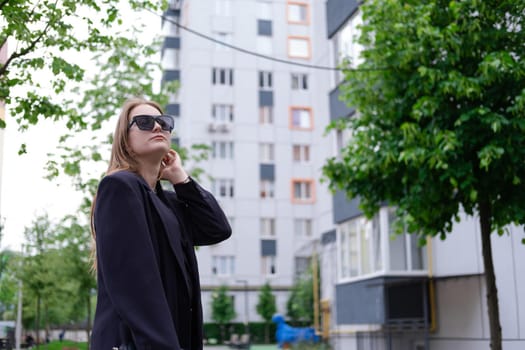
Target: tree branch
[{"x": 25, "y": 51}]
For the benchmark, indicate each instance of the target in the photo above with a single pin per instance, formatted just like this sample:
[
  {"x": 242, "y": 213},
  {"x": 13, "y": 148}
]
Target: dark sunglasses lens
[
  {"x": 145, "y": 122},
  {"x": 165, "y": 122}
]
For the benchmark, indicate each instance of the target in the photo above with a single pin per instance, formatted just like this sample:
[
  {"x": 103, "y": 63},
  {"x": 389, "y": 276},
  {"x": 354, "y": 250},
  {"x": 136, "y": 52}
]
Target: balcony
[{"x": 216, "y": 127}]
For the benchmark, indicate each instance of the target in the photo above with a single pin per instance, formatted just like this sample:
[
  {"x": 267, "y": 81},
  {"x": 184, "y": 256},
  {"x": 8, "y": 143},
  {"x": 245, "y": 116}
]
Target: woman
[{"x": 148, "y": 282}]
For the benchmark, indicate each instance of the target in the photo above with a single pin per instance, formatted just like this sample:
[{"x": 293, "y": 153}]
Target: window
[
  {"x": 346, "y": 46},
  {"x": 264, "y": 10},
  {"x": 222, "y": 76},
  {"x": 223, "y": 188},
  {"x": 359, "y": 249},
  {"x": 264, "y": 45},
  {"x": 265, "y": 80},
  {"x": 299, "y": 81},
  {"x": 360, "y": 244},
  {"x": 225, "y": 38},
  {"x": 267, "y": 188},
  {"x": 301, "y": 153},
  {"x": 267, "y": 227},
  {"x": 170, "y": 59},
  {"x": 266, "y": 153},
  {"x": 222, "y": 7},
  {"x": 268, "y": 266},
  {"x": 222, "y": 113},
  {"x": 169, "y": 28},
  {"x": 303, "y": 191},
  {"x": 265, "y": 115},
  {"x": 297, "y": 13},
  {"x": 301, "y": 118},
  {"x": 223, "y": 265},
  {"x": 222, "y": 150},
  {"x": 303, "y": 228},
  {"x": 404, "y": 251},
  {"x": 302, "y": 265},
  {"x": 299, "y": 47}
]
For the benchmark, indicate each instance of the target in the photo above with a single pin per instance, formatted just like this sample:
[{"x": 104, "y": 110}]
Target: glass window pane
[
  {"x": 297, "y": 13},
  {"x": 298, "y": 47},
  {"x": 297, "y": 190},
  {"x": 398, "y": 254},
  {"x": 417, "y": 253}
]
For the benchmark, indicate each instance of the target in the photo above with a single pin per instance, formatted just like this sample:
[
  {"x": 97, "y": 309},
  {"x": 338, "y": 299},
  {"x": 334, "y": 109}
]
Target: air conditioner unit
[
  {"x": 224, "y": 127},
  {"x": 213, "y": 127}
]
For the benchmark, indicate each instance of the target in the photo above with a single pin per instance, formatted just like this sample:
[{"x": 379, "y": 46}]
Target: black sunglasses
[{"x": 147, "y": 122}]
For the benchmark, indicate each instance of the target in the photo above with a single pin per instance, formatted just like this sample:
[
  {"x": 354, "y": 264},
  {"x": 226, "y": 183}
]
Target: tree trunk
[
  {"x": 46, "y": 324},
  {"x": 37, "y": 322},
  {"x": 88, "y": 326},
  {"x": 485, "y": 213}
]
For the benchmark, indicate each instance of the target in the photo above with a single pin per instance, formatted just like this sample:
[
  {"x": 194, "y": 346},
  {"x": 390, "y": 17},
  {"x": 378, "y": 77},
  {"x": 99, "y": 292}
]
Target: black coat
[{"x": 148, "y": 281}]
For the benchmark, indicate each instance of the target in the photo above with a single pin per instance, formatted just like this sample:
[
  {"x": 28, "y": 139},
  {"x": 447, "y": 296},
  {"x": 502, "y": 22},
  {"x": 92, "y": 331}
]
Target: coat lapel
[{"x": 172, "y": 230}]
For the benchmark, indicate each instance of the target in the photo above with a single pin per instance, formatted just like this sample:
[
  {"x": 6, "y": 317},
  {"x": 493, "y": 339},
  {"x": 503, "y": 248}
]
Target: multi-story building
[
  {"x": 384, "y": 293},
  {"x": 264, "y": 121}
]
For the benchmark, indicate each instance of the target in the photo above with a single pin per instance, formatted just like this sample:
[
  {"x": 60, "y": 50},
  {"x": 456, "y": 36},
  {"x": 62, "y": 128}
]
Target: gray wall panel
[
  {"x": 360, "y": 302},
  {"x": 345, "y": 209},
  {"x": 328, "y": 237},
  {"x": 267, "y": 171},
  {"x": 171, "y": 42},
  {"x": 170, "y": 75},
  {"x": 268, "y": 247},
  {"x": 337, "y": 12},
  {"x": 264, "y": 27},
  {"x": 265, "y": 98},
  {"x": 338, "y": 109},
  {"x": 173, "y": 109}
]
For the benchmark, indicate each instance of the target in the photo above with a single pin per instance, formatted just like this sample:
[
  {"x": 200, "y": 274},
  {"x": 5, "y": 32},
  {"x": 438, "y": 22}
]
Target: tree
[
  {"x": 38, "y": 273},
  {"x": 300, "y": 304},
  {"x": 266, "y": 308},
  {"x": 222, "y": 308},
  {"x": 440, "y": 97},
  {"x": 75, "y": 240},
  {"x": 52, "y": 36}
]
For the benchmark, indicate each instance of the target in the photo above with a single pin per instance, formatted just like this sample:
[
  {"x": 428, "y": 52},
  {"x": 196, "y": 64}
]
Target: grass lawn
[
  {"x": 264, "y": 347},
  {"x": 58, "y": 345}
]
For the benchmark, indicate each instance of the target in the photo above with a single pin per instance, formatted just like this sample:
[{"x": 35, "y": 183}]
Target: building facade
[
  {"x": 264, "y": 121},
  {"x": 385, "y": 293}
]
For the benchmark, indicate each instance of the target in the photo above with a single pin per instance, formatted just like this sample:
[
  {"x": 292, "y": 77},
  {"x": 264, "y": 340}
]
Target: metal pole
[
  {"x": 246, "y": 307},
  {"x": 18, "y": 329},
  {"x": 245, "y": 283}
]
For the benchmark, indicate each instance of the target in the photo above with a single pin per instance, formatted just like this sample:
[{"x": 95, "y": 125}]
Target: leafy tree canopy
[
  {"x": 441, "y": 113},
  {"x": 440, "y": 125},
  {"x": 222, "y": 308},
  {"x": 266, "y": 307}
]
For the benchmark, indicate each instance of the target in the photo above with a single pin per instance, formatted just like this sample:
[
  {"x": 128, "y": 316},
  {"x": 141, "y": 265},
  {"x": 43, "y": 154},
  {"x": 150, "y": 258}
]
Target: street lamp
[{"x": 245, "y": 282}]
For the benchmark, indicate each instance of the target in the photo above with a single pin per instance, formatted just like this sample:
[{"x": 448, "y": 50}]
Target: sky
[{"x": 24, "y": 192}]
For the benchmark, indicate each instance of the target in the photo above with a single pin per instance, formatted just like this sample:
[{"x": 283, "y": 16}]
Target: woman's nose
[{"x": 156, "y": 127}]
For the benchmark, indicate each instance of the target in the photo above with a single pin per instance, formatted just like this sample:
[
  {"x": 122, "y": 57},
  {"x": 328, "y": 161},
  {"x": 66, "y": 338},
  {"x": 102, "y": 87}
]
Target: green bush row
[{"x": 256, "y": 330}]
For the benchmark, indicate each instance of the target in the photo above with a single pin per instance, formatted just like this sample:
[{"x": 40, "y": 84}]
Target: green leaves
[
  {"x": 222, "y": 308},
  {"x": 444, "y": 127}
]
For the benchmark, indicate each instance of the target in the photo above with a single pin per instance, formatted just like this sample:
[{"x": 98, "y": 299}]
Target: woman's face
[{"x": 147, "y": 143}]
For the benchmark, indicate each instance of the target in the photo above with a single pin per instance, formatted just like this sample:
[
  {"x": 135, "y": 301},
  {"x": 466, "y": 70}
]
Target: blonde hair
[{"x": 121, "y": 157}]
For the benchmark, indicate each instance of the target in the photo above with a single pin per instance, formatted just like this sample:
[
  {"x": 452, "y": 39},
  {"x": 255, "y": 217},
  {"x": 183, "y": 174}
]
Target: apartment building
[
  {"x": 264, "y": 121},
  {"x": 384, "y": 293}
]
